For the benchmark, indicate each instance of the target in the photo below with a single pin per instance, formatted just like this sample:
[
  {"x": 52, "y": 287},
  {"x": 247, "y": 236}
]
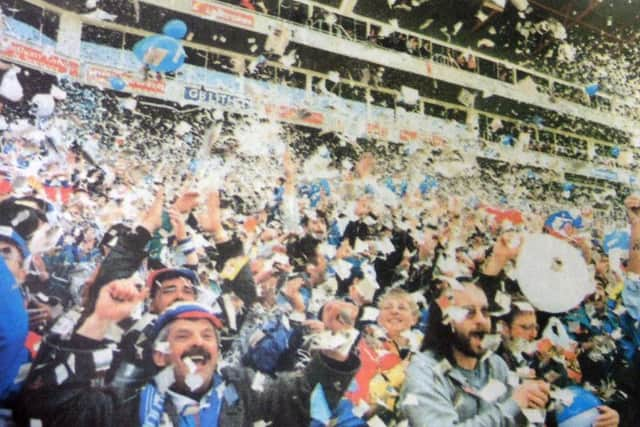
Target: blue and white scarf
[{"x": 191, "y": 413}]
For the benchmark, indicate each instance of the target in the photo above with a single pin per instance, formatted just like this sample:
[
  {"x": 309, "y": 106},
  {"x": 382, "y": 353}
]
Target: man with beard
[
  {"x": 187, "y": 344},
  {"x": 66, "y": 387},
  {"x": 454, "y": 381}
]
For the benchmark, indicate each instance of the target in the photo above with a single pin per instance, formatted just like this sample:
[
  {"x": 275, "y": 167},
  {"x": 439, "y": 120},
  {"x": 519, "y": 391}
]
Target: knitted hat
[{"x": 184, "y": 310}]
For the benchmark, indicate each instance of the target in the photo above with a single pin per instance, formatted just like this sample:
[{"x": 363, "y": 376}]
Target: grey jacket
[{"x": 440, "y": 395}]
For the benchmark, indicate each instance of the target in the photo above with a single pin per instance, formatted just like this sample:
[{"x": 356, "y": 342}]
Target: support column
[
  {"x": 347, "y": 6},
  {"x": 69, "y": 31}
]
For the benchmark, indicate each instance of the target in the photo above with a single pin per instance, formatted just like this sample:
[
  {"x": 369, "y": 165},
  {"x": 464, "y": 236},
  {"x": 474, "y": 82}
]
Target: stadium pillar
[
  {"x": 69, "y": 33},
  {"x": 347, "y": 6}
]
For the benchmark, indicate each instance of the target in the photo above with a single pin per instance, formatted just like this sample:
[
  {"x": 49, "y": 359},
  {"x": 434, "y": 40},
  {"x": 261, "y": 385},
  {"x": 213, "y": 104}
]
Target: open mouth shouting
[
  {"x": 196, "y": 356},
  {"x": 478, "y": 334},
  {"x": 476, "y": 341}
]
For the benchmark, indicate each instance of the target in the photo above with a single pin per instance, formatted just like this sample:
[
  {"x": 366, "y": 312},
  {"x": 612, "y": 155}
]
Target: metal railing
[{"x": 435, "y": 44}]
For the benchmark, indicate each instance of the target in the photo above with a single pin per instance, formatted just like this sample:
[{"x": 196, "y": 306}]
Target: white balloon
[
  {"x": 44, "y": 104},
  {"x": 58, "y": 93},
  {"x": 10, "y": 87},
  {"x": 521, "y": 5}
]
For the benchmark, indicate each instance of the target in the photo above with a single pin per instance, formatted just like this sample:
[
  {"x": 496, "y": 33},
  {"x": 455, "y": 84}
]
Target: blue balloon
[
  {"x": 160, "y": 53},
  {"x": 117, "y": 83},
  {"x": 615, "y": 151},
  {"x": 592, "y": 89},
  {"x": 568, "y": 186},
  {"x": 507, "y": 140},
  {"x": 175, "y": 28}
]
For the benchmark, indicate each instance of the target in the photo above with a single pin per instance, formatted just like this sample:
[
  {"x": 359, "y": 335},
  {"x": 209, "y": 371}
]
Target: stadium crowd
[{"x": 142, "y": 292}]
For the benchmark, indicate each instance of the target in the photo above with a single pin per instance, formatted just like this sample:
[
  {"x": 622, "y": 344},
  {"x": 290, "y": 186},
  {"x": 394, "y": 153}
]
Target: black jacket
[{"x": 66, "y": 389}]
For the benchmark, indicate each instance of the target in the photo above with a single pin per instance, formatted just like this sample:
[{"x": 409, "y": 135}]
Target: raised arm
[{"x": 632, "y": 204}]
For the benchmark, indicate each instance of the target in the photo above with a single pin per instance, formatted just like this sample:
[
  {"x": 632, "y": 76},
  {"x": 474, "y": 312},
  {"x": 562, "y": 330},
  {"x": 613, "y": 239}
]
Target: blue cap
[
  {"x": 8, "y": 233},
  {"x": 558, "y": 220},
  {"x": 583, "y": 401},
  {"x": 617, "y": 239},
  {"x": 184, "y": 310}
]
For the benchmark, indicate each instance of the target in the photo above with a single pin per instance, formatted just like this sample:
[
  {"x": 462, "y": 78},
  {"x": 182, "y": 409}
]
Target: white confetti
[
  {"x": 10, "y": 87},
  {"x": 258, "y": 382},
  {"x": 194, "y": 381},
  {"x": 165, "y": 379},
  {"x": 61, "y": 373}
]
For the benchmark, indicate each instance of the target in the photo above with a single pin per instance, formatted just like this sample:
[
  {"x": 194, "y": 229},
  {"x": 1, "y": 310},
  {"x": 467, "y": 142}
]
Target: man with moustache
[
  {"x": 190, "y": 389},
  {"x": 187, "y": 343},
  {"x": 454, "y": 381}
]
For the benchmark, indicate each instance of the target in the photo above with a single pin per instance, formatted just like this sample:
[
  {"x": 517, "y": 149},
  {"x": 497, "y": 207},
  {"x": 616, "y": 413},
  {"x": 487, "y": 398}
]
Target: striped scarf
[{"x": 204, "y": 413}]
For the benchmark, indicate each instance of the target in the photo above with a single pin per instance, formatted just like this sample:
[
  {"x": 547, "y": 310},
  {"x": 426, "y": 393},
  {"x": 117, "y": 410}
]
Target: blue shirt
[{"x": 14, "y": 327}]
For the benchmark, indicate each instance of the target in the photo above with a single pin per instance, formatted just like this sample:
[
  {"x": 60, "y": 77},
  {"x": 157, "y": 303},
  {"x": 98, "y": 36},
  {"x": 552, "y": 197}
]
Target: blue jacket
[{"x": 14, "y": 326}]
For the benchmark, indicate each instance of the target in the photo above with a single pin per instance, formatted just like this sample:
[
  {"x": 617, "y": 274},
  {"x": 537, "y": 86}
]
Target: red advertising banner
[
  {"x": 101, "y": 76},
  {"x": 223, "y": 14},
  {"x": 375, "y": 130},
  {"x": 408, "y": 135},
  {"x": 294, "y": 114},
  {"x": 40, "y": 58}
]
